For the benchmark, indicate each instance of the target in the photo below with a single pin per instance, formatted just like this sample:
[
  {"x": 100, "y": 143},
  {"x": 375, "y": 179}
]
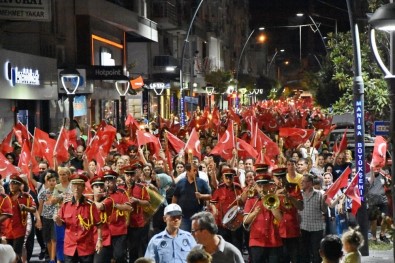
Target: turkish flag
[
  {"x": 352, "y": 192},
  {"x": 6, "y": 168},
  {"x": 176, "y": 143},
  {"x": 61, "y": 150},
  {"x": 261, "y": 141},
  {"x": 293, "y": 137},
  {"x": 130, "y": 121},
  {"x": 43, "y": 146},
  {"x": 102, "y": 141},
  {"x": 343, "y": 143},
  {"x": 193, "y": 144},
  {"x": 144, "y": 137},
  {"x": 6, "y": 144},
  {"x": 25, "y": 159},
  {"x": 169, "y": 159},
  {"x": 245, "y": 150},
  {"x": 225, "y": 144},
  {"x": 379, "y": 152},
  {"x": 340, "y": 182},
  {"x": 215, "y": 117},
  {"x": 72, "y": 137},
  {"x": 233, "y": 116},
  {"x": 21, "y": 133}
]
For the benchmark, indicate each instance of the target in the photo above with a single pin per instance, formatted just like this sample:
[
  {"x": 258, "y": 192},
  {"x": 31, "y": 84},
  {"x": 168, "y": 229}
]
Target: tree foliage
[
  {"x": 219, "y": 79},
  {"x": 333, "y": 84}
]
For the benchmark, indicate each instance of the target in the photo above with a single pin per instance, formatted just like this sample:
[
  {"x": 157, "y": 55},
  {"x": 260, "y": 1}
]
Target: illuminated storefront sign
[{"x": 26, "y": 76}]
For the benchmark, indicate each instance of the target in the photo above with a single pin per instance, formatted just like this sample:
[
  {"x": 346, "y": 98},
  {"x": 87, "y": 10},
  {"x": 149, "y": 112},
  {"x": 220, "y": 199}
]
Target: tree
[
  {"x": 219, "y": 79},
  {"x": 333, "y": 84}
]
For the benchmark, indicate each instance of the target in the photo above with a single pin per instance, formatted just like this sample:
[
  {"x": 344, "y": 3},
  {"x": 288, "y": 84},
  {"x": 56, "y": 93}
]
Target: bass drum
[
  {"x": 233, "y": 218},
  {"x": 156, "y": 200}
]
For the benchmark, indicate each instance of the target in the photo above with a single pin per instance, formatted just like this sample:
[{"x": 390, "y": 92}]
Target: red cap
[
  {"x": 261, "y": 168},
  {"x": 279, "y": 172},
  {"x": 97, "y": 180},
  {"x": 110, "y": 174},
  {"x": 228, "y": 171},
  {"x": 78, "y": 178},
  {"x": 16, "y": 179},
  {"x": 262, "y": 178}
]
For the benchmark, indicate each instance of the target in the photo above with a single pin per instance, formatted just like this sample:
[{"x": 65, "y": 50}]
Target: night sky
[{"x": 269, "y": 13}]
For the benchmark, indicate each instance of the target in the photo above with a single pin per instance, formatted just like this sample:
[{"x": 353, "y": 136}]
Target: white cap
[{"x": 173, "y": 210}]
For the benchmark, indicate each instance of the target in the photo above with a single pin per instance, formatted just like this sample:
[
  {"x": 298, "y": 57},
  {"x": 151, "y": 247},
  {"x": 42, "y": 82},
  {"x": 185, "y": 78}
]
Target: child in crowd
[
  {"x": 47, "y": 209},
  {"x": 352, "y": 241}
]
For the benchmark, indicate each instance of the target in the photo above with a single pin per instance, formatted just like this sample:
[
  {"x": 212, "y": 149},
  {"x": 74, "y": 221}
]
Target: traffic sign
[{"x": 381, "y": 128}]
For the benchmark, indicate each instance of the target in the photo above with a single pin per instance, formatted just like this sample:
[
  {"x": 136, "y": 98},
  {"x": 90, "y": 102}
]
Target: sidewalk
[{"x": 381, "y": 256}]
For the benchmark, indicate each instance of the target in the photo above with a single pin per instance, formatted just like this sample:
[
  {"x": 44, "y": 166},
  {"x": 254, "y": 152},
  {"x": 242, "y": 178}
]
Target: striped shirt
[{"x": 311, "y": 215}]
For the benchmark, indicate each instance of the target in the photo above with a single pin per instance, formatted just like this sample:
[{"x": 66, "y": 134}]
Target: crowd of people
[{"x": 137, "y": 208}]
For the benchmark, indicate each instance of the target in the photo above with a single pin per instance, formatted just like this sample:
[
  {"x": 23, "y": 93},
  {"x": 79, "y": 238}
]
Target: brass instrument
[
  {"x": 271, "y": 201},
  {"x": 251, "y": 191}
]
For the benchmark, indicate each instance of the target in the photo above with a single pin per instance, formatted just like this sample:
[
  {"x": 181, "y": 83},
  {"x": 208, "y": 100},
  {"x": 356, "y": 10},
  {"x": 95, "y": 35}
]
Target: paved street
[{"x": 376, "y": 256}]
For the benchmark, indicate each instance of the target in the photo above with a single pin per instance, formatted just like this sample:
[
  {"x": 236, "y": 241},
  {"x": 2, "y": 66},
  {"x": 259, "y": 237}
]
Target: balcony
[
  {"x": 165, "y": 14},
  {"x": 165, "y": 67},
  {"x": 120, "y": 17}
]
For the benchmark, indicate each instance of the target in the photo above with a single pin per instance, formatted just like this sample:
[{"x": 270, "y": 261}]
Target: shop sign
[
  {"x": 21, "y": 75},
  {"x": 27, "y": 77},
  {"x": 106, "y": 73},
  {"x": 27, "y": 10}
]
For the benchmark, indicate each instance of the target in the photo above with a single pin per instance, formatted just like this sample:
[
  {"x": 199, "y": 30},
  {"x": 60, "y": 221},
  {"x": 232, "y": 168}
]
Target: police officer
[{"x": 172, "y": 244}]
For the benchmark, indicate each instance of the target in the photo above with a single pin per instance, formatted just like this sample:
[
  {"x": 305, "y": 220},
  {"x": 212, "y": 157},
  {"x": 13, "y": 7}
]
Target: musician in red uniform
[
  {"x": 119, "y": 217},
  {"x": 105, "y": 207},
  {"x": 265, "y": 241},
  {"x": 291, "y": 202},
  {"x": 225, "y": 198},
  {"x": 5, "y": 211},
  {"x": 79, "y": 217},
  {"x": 22, "y": 204},
  {"x": 139, "y": 198}
]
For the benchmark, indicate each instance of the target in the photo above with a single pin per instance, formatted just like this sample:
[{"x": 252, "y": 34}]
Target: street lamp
[
  {"x": 384, "y": 19},
  {"x": 182, "y": 113},
  {"x": 272, "y": 60},
  {"x": 122, "y": 85},
  {"x": 209, "y": 91},
  {"x": 70, "y": 79},
  {"x": 261, "y": 39}
]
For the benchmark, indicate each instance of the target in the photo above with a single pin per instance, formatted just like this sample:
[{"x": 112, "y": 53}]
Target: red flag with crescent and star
[
  {"x": 144, "y": 137},
  {"x": 21, "y": 133},
  {"x": 6, "y": 168},
  {"x": 225, "y": 144},
  {"x": 193, "y": 144},
  {"x": 61, "y": 150},
  {"x": 43, "y": 146},
  {"x": 6, "y": 144},
  {"x": 340, "y": 182},
  {"x": 293, "y": 137},
  {"x": 352, "y": 192},
  {"x": 176, "y": 143},
  {"x": 379, "y": 152}
]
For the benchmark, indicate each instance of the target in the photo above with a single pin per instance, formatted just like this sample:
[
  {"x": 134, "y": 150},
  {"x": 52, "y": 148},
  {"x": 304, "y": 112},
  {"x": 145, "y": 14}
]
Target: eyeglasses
[{"x": 194, "y": 230}]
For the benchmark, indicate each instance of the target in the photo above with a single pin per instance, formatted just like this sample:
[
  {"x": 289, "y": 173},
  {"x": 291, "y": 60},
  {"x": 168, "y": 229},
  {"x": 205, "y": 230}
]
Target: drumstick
[
  {"x": 232, "y": 203},
  {"x": 196, "y": 188}
]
